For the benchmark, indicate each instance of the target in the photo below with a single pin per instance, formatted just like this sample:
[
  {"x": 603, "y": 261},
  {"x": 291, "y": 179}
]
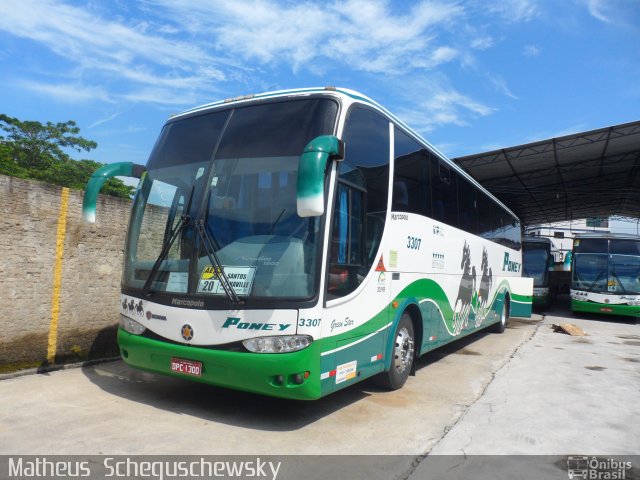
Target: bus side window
[
  {"x": 411, "y": 181},
  {"x": 348, "y": 226},
  {"x": 467, "y": 204},
  {"x": 360, "y": 202},
  {"x": 347, "y": 241},
  {"x": 444, "y": 192},
  {"x": 485, "y": 224}
]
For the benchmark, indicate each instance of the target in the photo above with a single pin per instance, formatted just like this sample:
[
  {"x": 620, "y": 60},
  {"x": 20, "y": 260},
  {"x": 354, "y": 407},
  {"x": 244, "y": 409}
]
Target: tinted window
[
  {"x": 363, "y": 178},
  {"x": 590, "y": 245},
  {"x": 512, "y": 234},
  {"x": 497, "y": 222},
  {"x": 485, "y": 224},
  {"x": 590, "y": 272},
  {"x": 535, "y": 259},
  {"x": 498, "y": 225},
  {"x": 366, "y": 138},
  {"x": 444, "y": 194},
  {"x": 248, "y": 197},
  {"x": 468, "y": 206},
  {"x": 290, "y": 127},
  {"x": 624, "y": 247},
  {"x": 188, "y": 141},
  {"x": 411, "y": 182}
]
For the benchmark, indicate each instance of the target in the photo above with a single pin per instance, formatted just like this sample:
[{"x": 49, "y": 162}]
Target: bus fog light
[
  {"x": 282, "y": 344},
  {"x": 131, "y": 326}
]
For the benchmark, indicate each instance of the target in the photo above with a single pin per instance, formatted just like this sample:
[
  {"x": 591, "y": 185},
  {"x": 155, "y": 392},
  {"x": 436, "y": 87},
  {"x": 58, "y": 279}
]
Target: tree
[
  {"x": 30, "y": 149},
  {"x": 8, "y": 166},
  {"x": 75, "y": 174},
  {"x": 34, "y": 145}
]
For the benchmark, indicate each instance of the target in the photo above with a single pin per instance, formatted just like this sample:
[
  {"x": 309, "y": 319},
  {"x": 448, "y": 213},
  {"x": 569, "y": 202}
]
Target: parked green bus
[{"x": 297, "y": 242}]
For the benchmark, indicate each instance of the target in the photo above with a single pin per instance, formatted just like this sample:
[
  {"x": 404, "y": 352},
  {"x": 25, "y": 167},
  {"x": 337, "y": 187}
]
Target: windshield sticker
[
  {"x": 178, "y": 282},
  {"x": 240, "y": 278}
]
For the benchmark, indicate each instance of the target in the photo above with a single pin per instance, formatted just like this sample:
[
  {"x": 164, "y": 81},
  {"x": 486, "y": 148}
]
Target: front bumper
[
  {"x": 607, "y": 309},
  {"x": 268, "y": 374}
]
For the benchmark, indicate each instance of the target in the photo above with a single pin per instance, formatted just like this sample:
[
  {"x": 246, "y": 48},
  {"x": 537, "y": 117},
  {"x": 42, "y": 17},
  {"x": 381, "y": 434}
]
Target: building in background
[{"x": 562, "y": 233}]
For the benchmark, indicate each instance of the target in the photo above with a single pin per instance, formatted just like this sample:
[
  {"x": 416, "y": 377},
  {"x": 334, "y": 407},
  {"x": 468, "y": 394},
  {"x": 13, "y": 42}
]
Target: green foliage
[
  {"x": 34, "y": 150},
  {"x": 8, "y": 166},
  {"x": 75, "y": 174}
]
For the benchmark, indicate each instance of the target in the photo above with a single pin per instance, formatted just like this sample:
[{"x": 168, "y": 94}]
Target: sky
[{"x": 468, "y": 75}]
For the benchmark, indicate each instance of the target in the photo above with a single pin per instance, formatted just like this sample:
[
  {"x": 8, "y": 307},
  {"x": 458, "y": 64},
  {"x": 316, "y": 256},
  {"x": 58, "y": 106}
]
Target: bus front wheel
[{"x": 403, "y": 354}]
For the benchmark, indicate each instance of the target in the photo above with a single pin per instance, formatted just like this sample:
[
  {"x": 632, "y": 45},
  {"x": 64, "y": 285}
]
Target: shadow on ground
[{"x": 243, "y": 409}]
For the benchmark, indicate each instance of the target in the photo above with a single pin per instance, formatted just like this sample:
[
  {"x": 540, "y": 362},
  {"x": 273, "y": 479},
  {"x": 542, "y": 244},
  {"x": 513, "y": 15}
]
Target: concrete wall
[{"x": 68, "y": 314}]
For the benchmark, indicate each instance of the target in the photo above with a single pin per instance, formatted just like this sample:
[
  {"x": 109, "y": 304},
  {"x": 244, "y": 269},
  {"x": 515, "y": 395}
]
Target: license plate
[{"x": 186, "y": 367}]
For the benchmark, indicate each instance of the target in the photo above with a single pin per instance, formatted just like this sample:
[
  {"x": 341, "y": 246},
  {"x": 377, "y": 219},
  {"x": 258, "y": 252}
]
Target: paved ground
[
  {"x": 560, "y": 394},
  {"x": 528, "y": 391},
  {"x": 125, "y": 411}
]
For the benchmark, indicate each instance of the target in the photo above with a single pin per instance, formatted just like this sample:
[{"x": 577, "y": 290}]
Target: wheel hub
[{"x": 403, "y": 351}]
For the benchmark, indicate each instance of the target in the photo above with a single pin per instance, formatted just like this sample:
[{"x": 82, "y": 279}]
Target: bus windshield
[
  {"x": 219, "y": 200},
  {"x": 625, "y": 274},
  {"x": 607, "y": 266},
  {"x": 536, "y": 263}
]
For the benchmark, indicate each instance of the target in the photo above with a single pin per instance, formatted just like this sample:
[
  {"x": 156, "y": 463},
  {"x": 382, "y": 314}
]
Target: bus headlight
[
  {"x": 283, "y": 344},
  {"x": 131, "y": 326},
  {"x": 634, "y": 303}
]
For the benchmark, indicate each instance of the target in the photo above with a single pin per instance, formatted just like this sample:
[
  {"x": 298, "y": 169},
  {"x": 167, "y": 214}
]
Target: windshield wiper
[
  {"x": 185, "y": 220},
  {"x": 209, "y": 247},
  {"x": 277, "y": 220},
  {"x": 590, "y": 289},
  {"x": 212, "y": 237}
]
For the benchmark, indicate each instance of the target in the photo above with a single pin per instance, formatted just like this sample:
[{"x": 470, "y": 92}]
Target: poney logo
[{"x": 509, "y": 266}]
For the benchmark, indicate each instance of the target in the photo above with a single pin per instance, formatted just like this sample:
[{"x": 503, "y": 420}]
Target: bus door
[{"x": 357, "y": 308}]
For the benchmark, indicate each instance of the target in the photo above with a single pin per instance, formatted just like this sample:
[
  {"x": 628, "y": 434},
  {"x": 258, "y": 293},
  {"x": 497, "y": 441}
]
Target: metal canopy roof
[{"x": 587, "y": 174}]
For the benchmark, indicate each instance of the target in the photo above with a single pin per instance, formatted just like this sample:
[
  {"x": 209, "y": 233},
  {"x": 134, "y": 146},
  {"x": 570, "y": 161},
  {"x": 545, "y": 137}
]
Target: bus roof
[
  {"x": 281, "y": 93},
  {"x": 610, "y": 236},
  {"x": 341, "y": 92},
  {"x": 545, "y": 240}
]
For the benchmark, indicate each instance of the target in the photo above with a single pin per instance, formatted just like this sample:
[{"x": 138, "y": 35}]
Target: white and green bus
[
  {"x": 296, "y": 242},
  {"x": 606, "y": 274},
  {"x": 538, "y": 264}
]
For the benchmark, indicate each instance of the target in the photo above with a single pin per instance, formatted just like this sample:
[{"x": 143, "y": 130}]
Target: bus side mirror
[
  {"x": 567, "y": 262},
  {"x": 95, "y": 183},
  {"x": 314, "y": 158}
]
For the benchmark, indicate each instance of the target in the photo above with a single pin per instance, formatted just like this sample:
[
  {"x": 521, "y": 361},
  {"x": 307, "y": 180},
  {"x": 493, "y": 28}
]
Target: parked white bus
[
  {"x": 605, "y": 274},
  {"x": 538, "y": 264},
  {"x": 296, "y": 242}
]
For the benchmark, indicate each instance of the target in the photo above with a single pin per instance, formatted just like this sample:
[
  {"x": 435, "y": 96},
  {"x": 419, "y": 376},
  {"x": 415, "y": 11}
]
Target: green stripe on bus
[{"x": 412, "y": 294}]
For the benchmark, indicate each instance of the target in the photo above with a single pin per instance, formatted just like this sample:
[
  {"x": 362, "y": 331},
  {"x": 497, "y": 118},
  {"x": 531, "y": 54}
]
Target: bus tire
[
  {"x": 504, "y": 317},
  {"x": 403, "y": 355}
]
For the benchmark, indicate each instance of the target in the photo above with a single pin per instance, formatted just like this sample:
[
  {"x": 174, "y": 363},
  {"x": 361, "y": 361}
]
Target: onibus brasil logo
[{"x": 597, "y": 468}]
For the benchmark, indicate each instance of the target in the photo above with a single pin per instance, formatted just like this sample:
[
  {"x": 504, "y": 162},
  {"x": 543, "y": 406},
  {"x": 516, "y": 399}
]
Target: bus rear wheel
[
  {"x": 504, "y": 316},
  {"x": 403, "y": 354}
]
